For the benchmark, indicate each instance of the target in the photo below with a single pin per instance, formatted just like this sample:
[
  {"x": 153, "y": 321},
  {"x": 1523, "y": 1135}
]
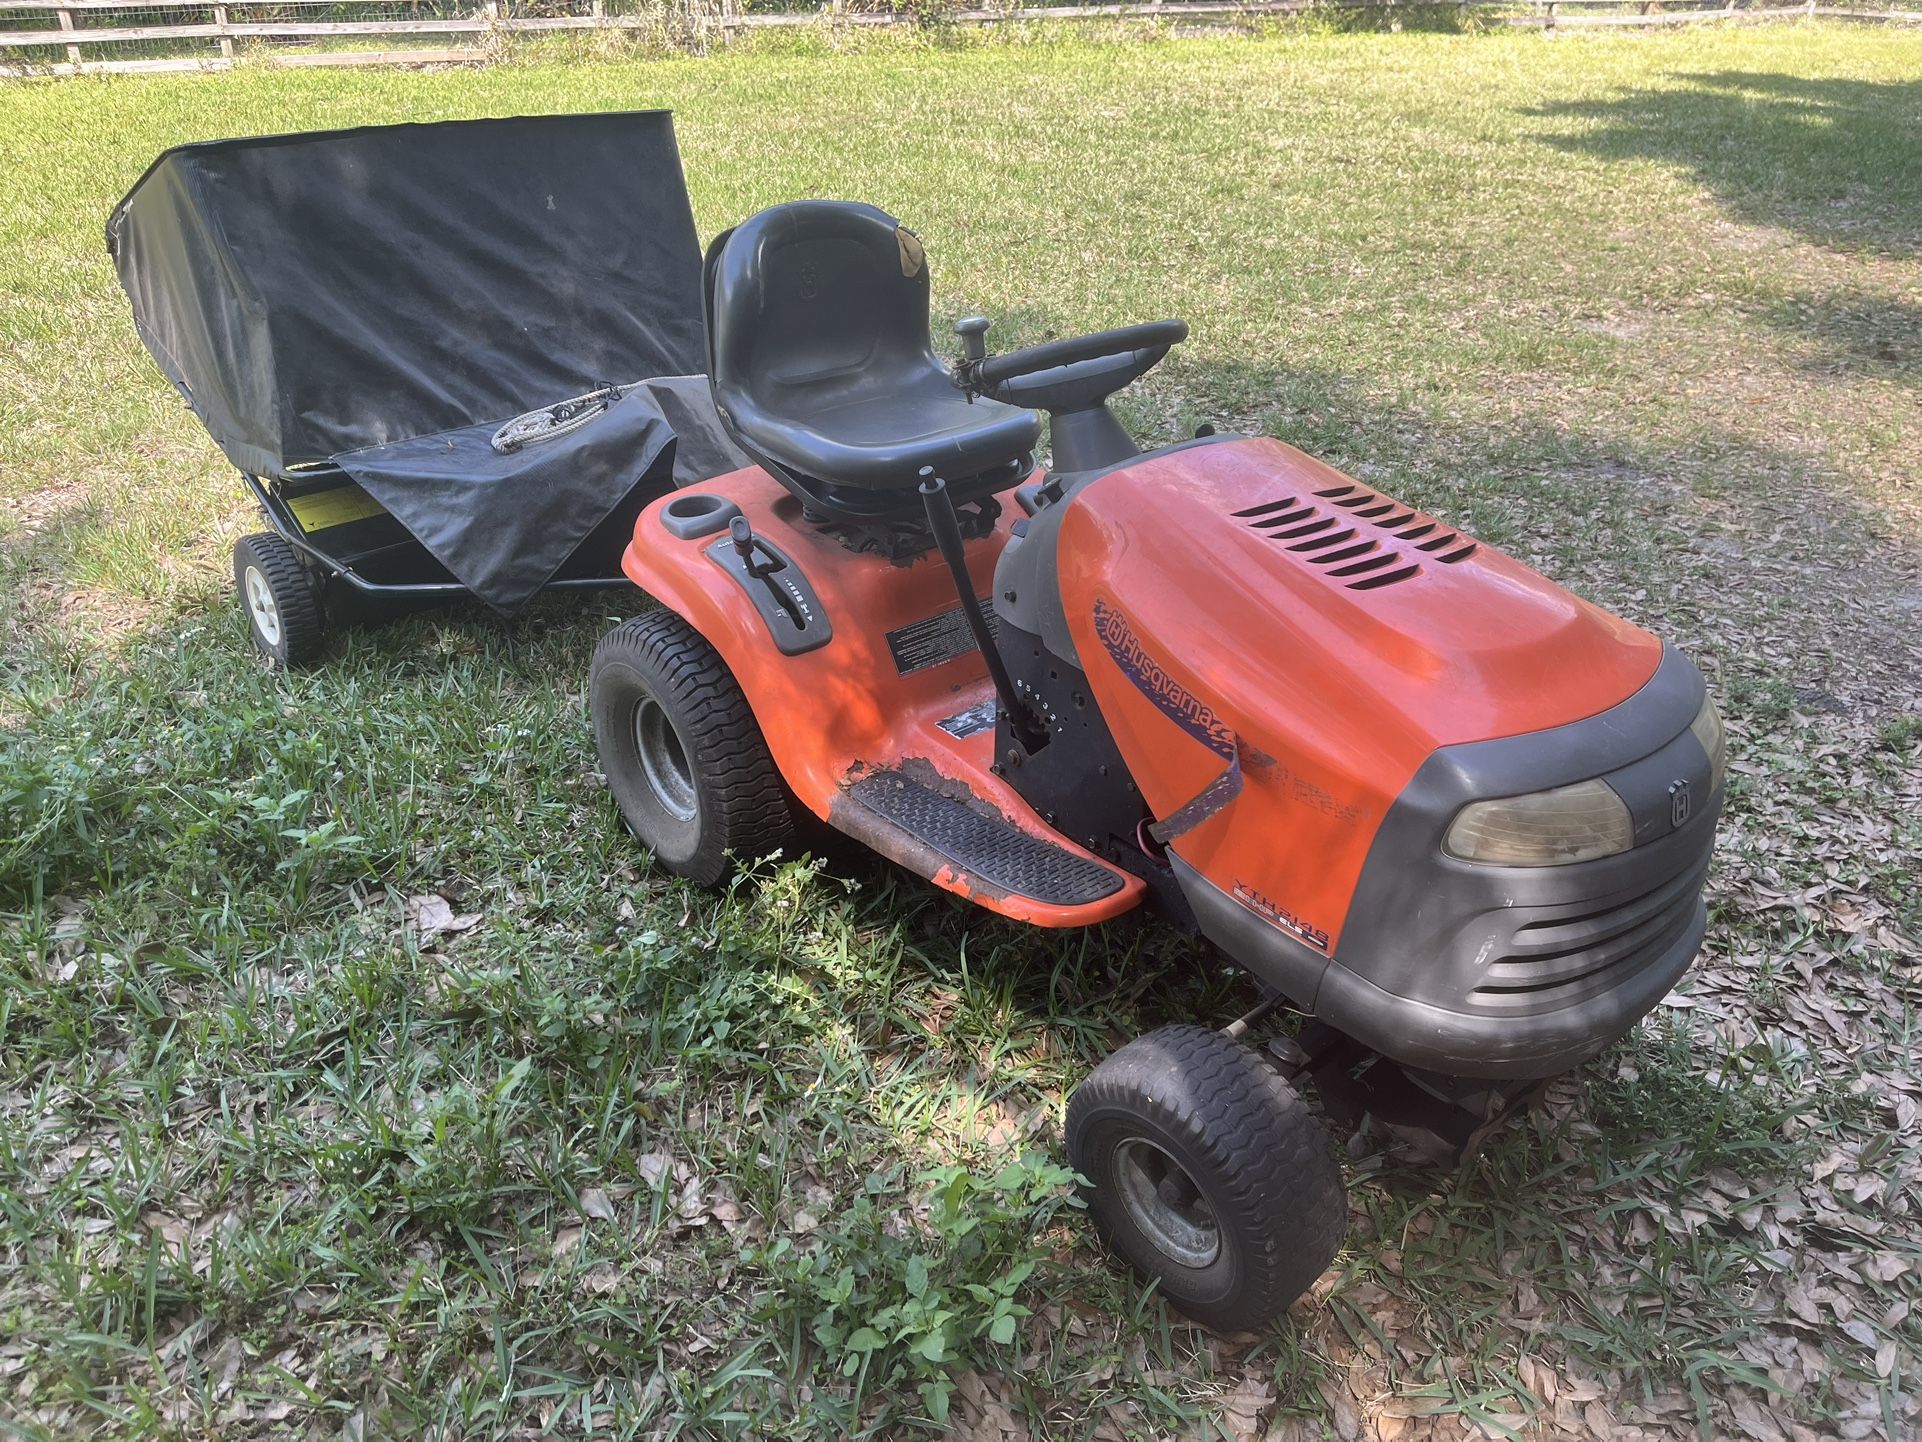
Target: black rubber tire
[
  {"x": 296, "y": 604},
  {"x": 741, "y": 807},
  {"x": 1258, "y": 1156}
]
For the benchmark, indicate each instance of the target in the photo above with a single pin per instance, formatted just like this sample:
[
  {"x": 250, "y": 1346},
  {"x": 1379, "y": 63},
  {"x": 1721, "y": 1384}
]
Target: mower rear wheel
[
  {"x": 1208, "y": 1174},
  {"x": 682, "y": 751},
  {"x": 277, "y": 594}
]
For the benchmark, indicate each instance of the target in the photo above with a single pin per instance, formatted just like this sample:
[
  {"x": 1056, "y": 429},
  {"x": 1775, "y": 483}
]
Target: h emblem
[{"x": 1679, "y": 803}]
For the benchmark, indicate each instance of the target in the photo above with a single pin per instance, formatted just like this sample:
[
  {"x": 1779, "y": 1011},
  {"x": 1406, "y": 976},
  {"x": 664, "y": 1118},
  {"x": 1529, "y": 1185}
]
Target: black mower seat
[{"x": 821, "y": 361}]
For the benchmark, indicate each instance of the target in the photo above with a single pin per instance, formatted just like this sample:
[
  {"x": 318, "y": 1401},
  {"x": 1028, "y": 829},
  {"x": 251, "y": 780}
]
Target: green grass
[{"x": 637, "y": 1159}]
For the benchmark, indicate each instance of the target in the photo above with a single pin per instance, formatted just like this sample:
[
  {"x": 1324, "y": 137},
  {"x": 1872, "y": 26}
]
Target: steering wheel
[{"x": 1064, "y": 375}]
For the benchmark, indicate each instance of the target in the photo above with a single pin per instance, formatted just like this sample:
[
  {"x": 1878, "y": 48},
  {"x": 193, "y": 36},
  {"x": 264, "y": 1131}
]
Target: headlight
[
  {"x": 1707, "y": 727},
  {"x": 1544, "y": 828}
]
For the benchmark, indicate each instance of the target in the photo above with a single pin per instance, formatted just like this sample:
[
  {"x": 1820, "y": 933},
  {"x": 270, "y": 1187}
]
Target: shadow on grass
[
  {"x": 46, "y": 531},
  {"x": 1858, "y": 333},
  {"x": 1839, "y": 161}
]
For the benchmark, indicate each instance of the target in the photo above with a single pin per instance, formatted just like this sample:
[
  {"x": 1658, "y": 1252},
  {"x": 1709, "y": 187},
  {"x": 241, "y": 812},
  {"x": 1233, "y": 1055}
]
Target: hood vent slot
[
  {"x": 1346, "y": 553},
  {"x": 1306, "y": 528},
  {"x": 1325, "y": 531},
  {"x": 1367, "y": 563},
  {"x": 1316, "y": 543},
  {"x": 1384, "y": 578},
  {"x": 1285, "y": 518},
  {"x": 1266, "y": 508},
  {"x": 1403, "y": 522}
]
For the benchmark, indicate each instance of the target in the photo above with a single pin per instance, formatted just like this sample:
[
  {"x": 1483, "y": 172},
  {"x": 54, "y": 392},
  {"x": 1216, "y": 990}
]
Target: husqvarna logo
[
  {"x": 1171, "y": 698},
  {"x": 1680, "y": 804}
]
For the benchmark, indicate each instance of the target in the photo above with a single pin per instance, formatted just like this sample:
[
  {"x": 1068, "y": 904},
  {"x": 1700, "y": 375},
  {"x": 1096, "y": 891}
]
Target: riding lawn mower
[{"x": 1456, "y": 817}]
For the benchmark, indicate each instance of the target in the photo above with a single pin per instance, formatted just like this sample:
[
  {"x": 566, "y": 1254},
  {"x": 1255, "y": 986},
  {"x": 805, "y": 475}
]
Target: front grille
[
  {"x": 1558, "y": 960},
  {"x": 1332, "y": 530}
]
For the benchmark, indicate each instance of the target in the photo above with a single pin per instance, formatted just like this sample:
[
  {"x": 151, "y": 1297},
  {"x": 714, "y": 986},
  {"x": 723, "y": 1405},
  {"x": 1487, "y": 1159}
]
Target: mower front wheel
[
  {"x": 1208, "y": 1174},
  {"x": 682, "y": 752},
  {"x": 278, "y": 597}
]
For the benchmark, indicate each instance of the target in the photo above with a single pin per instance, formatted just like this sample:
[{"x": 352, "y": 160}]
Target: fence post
[
  {"x": 1549, "y": 28},
  {"x": 226, "y": 40},
  {"x": 73, "y": 51}
]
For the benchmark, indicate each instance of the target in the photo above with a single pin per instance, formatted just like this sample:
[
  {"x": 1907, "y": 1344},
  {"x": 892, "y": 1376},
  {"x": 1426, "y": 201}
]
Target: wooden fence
[{"x": 68, "y": 37}]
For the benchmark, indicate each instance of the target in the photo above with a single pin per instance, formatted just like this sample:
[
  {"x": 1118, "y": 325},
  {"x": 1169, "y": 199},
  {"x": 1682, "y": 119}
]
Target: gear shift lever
[{"x": 741, "y": 533}]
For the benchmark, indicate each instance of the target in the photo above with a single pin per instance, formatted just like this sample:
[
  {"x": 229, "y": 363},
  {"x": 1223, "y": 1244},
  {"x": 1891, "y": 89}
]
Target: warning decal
[{"x": 937, "y": 639}]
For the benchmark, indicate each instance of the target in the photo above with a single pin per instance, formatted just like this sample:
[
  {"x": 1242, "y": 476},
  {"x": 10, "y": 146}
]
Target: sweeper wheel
[
  {"x": 1208, "y": 1174},
  {"x": 683, "y": 753},
  {"x": 278, "y": 597}
]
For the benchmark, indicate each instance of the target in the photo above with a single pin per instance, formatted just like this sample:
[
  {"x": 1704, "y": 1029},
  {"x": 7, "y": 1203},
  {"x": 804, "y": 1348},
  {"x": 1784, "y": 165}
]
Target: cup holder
[{"x": 696, "y": 514}]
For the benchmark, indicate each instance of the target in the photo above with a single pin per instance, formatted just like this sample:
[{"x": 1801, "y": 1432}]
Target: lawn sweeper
[
  {"x": 449, "y": 360},
  {"x": 1455, "y": 815}
]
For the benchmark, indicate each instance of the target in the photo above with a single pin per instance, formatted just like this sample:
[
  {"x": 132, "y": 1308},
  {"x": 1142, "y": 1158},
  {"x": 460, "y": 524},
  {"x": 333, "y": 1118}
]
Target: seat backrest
[{"x": 812, "y": 304}]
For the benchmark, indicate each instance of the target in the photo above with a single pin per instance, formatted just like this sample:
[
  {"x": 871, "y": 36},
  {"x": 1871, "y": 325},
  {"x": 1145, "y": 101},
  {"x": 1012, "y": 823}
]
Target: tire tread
[
  {"x": 1257, "y": 1137},
  {"x": 733, "y": 769},
  {"x": 301, "y": 624}
]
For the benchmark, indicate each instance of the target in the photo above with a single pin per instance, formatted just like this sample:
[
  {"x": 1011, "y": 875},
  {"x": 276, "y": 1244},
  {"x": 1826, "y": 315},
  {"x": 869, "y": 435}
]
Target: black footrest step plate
[{"x": 998, "y": 852}]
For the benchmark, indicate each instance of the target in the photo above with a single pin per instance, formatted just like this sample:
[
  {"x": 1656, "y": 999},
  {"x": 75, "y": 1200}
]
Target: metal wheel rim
[
  {"x": 262, "y": 606},
  {"x": 1188, "y": 1232},
  {"x": 664, "y": 760}
]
